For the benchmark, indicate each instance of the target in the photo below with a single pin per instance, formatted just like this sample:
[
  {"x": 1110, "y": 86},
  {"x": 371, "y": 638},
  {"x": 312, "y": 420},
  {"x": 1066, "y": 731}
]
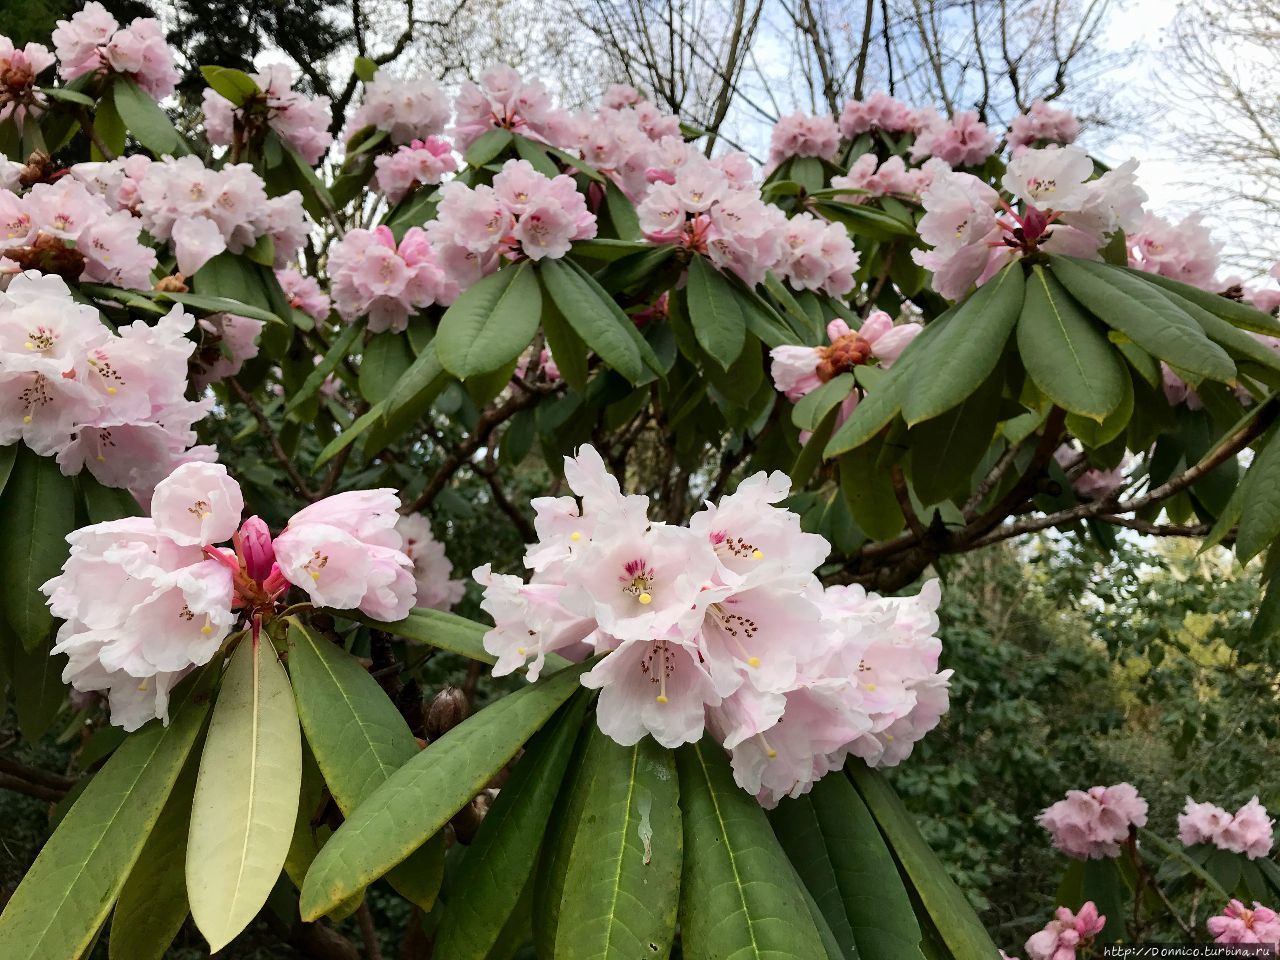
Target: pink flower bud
[{"x": 255, "y": 548}]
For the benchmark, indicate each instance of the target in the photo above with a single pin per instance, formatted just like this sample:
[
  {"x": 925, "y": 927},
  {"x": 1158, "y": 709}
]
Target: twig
[
  {"x": 367, "y": 932},
  {"x": 37, "y": 790},
  {"x": 86, "y": 124},
  {"x": 991, "y": 480},
  {"x": 273, "y": 440},
  {"x": 43, "y": 777},
  {"x": 904, "y": 501}
]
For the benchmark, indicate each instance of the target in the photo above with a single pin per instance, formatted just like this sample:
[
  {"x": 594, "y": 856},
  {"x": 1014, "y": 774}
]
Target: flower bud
[
  {"x": 466, "y": 822},
  {"x": 256, "y": 548},
  {"x": 448, "y": 709}
]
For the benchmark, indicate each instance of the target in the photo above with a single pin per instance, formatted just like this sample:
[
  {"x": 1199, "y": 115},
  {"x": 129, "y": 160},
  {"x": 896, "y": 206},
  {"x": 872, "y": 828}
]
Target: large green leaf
[
  {"x": 359, "y": 739},
  {"x": 246, "y": 795},
  {"x": 797, "y": 828},
  {"x": 38, "y": 690},
  {"x": 810, "y": 410},
  {"x": 1226, "y": 334},
  {"x": 424, "y": 378},
  {"x": 962, "y": 356},
  {"x": 594, "y": 317},
  {"x": 486, "y": 887},
  {"x": 235, "y": 85},
  {"x": 66, "y": 895},
  {"x": 1238, "y": 314},
  {"x": 1136, "y": 309},
  {"x": 1065, "y": 353},
  {"x": 867, "y": 488},
  {"x": 145, "y": 119},
  {"x": 947, "y": 449},
  {"x": 39, "y": 507},
  {"x": 950, "y": 912},
  {"x": 436, "y": 628},
  {"x": 420, "y": 797},
  {"x": 338, "y": 350},
  {"x": 739, "y": 898},
  {"x": 385, "y": 360},
  {"x": 153, "y": 902},
  {"x": 622, "y": 884},
  {"x": 491, "y": 323},
  {"x": 717, "y": 318},
  {"x": 871, "y": 890},
  {"x": 1260, "y": 515}
]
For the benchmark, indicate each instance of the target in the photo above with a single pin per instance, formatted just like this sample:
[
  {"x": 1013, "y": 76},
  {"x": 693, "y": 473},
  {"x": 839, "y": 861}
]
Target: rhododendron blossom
[
  {"x": 304, "y": 293},
  {"x": 1240, "y": 924},
  {"x": 229, "y": 341},
  {"x": 1092, "y": 824},
  {"x": 417, "y": 163},
  {"x": 93, "y": 41},
  {"x": 1041, "y": 125},
  {"x": 407, "y": 110},
  {"x": 803, "y": 135},
  {"x": 868, "y": 178},
  {"x": 1248, "y": 831},
  {"x": 20, "y": 96},
  {"x": 701, "y": 628},
  {"x": 374, "y": 276},
  {"x": 962, "y": 141},
  {"x": 1183, "y": 251},
  {"x": 145, "y": 600},
  {"x": 431, "y": 568},
  {"x": 878, "y": 112},
  {"x": 300, "y": 121},
  {"x": 503, "y": 100},
  {"x": 1066, "y": 933},
  {"x": 110, "y": 402}
]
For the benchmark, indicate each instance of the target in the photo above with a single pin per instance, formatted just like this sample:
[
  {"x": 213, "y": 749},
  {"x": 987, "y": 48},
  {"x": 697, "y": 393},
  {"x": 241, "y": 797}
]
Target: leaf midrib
[
  {"x": 622, "y": 850},
  {"x": 728, "y": 847}
]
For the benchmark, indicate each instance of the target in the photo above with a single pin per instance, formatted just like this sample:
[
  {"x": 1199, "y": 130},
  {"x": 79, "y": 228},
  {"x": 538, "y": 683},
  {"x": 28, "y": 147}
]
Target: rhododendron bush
[{"x": 257, "y": 366}]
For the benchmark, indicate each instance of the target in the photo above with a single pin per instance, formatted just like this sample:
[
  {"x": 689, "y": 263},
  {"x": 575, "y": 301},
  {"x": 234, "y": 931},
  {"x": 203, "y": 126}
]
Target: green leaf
[
  {"x": 1065, "y": 353},
  {"x": 68, "y": 892},
  {"x": 1238, "y": 314},
  {"x": 1260, "y": 514},
  {"x": 385, "y": 360},
  {"x": 950, "y": 912},
  {"x": 815, "y": 405},
  {"x": 425, "y": 377},
  {"x": 106, "y": 503},
  {"x": 337, "y": 351},
  {"x": 39, "y": 506},
  {"x": 1132, "y": 306},
  {"x": 622, "y": 212},
  {"x": 359, "y": 739},
  {"x": 420, "y": 797},
  {"x": 69, "y": 96},
  {"x": 365, "y": 69},
  {"x": 567, "y": 348},
  {"x": 1227, "y": 335},
  {"x": 8, "y": 457},
  {"x": 739, "y": 897},
  {"x": 38, "y": 690},
  {"x": 946, "y": 450},
  {"x": 445, "y": 631},
  {"x": 718, "y": 321},
  {"x": 486, "y": 887},
  {"x": 491, "y": 323},
  {"x": 235, "y": 85},
  {"x": 246, "y": 795},
  {"x": 487, "y": 146},
  {"x": 153, "y": 902},
  {"x": 963, "y": 355},
  {"x": 536, "y": 155},
  {"x": 144, "y": 119},
  {"x": 207, "y": 304},
  {"x": 867, "y": 488},
  {"x": 622, "y": 883},
  {"x": 594, "y": 317},
  {"x": 350, "y": 435}
]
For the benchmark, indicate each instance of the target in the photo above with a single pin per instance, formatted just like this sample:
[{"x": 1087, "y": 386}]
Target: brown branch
[
  {"x": 273, "y": 440},
  {"x": 86, "y": 124},
  {"x": 37, "y": 790},
  {"x": 903, "y": 497},
  {"x": 991, "y": 480},
  {"x": 35, "y": 775},
  {"x": 1021, "y": 490},
  {"x": 367, "y": 932},
  {"x": 503, "y": 503}
]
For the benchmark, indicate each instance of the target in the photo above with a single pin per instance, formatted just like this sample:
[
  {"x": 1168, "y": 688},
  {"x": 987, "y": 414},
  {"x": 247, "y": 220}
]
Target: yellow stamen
[
  {"x": 661, "y": 698},
  {"x": 753, "y": 661},
  {"x": 757, "y": 554},
  {"x": 889, "y": 737},
  {"x": 315, "y": 575},
  {"x": 101, "y": 459},
  {"x": 645, "y": 598},
  {"x": 206, "y": 629},
  {"x": 30, "y": 345},
  {"x": 112, "y": 391},
  {"x": 871, "y": 688},
  {"x": 575, "y": 536},
  {"x": 520, "y": 650},
  {"x": 27, "y": 418}
]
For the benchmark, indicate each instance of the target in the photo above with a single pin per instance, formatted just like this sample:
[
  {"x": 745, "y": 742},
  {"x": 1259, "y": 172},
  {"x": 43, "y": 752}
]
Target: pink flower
[
  {"x": 304, "y": 293},
  {"x": 1091, "y": 825},
  {"x": 1052, "y": 179},
  {"x": 1239, "y": 924},
  {"x": 1249, "y": 831},
  {"x": 230, "y": 341},
  {"x": 1184, "y": 251},
  {"x": 502, "y": 100},
  {"x": 431, "y": 568},
  {"x": 418, "y": 163},
  {"x": 197, "y": 505},
  {"x": 803, "y": 135},
  {"x": 962, "y": 141},
  {"x": 878, "y": 112},
  {"x": 301, "y": 122},
  {"x": 1041, "y": 124},
  {"x": 19, "y": 96},
  {"x": 818, "y": 256},
  {"x": 408, "y": 110},
  {"x": 373, "y": 276},
  {"x": 92, "y": 40},
  {"x": 1064, "y": 934},
  {"x": 344, "y": 552},
  {"x": 256, "y": 549}
]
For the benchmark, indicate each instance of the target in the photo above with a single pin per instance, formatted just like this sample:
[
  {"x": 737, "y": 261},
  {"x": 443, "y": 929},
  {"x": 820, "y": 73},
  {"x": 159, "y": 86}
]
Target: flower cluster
[
  {"x": 1183, "y": 251},
  {"x": 1248, "y": 831},
  {"x": 803, "y": 135},
  {"x": 370, "y": 274},
  {"x": 1066, "y": 933},
  {"x": 971, "y": 243},
  {"x": 817, "y": 255},
  {"x": 629, "y": 140},
  {"x": 62, "y": 228},
  {"x": 797, "y": 370},
  {"x": 228, "y": 342},
  {"x": 1041, "y": 125},
  {"x": 868, "y": 177},
  {"x": 300, "y": 121},
  {"x": 1090, "y": 482},
  {"x": 878, "y": 112},
  {"x": 304, "y": 293},
  {"x": 431, "y": 568},
  {"x": 962, "y": 141},
  {"x": 523, "y": 214},
  {"x": 92, "y": 41},
  {"x": 204, "y": 212},
  {"x": 503, "y": 100},
  {"x": 1239, "y": 924},
  {"x": 414, "y": 164},
  {"x": 146, "y": 600},
  {"x": 110, "y": 402},
  {"x": 115, "y": 181},
  {"x": 700, "y": 628},
  {"x": 407, "y": 110},
  {"x": 1092, "y": 824},
  {"x": 19, "y": 95}
]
